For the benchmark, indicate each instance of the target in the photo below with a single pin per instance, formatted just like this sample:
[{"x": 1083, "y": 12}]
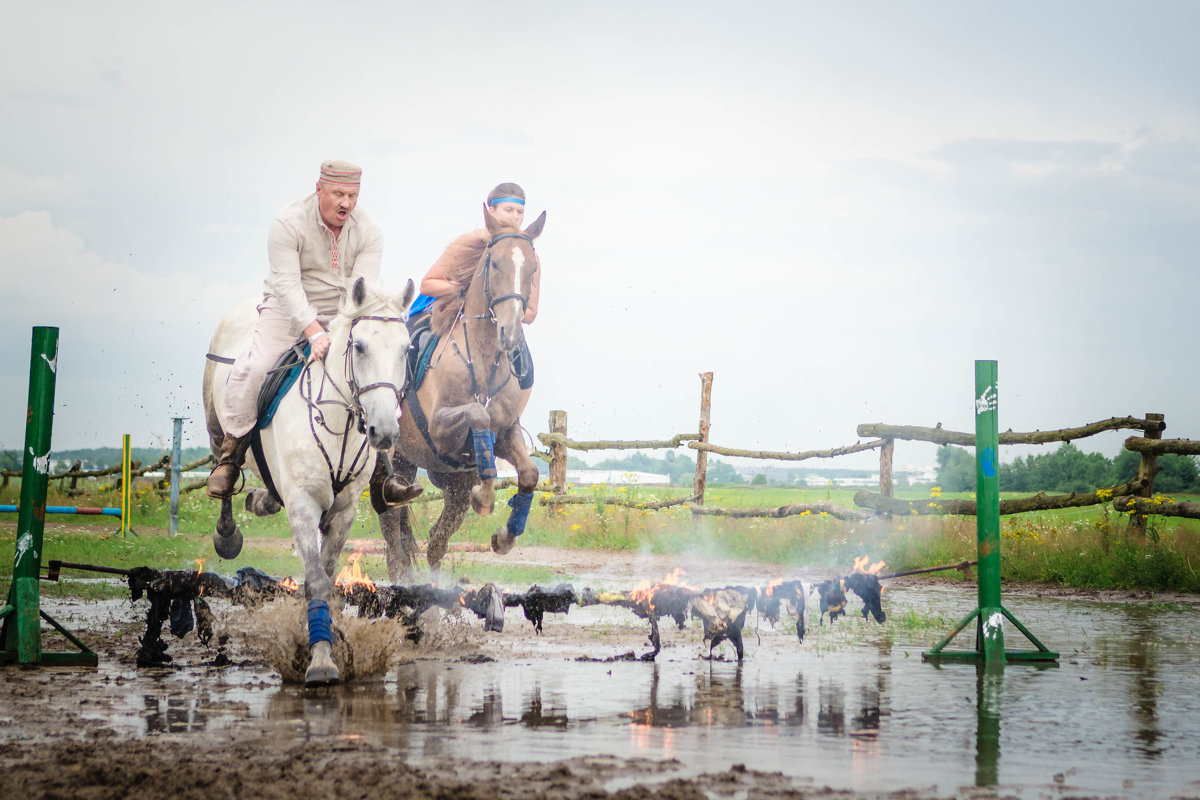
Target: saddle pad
[
  {"x": 419, "y": 357},
  {"x": 279, "y": 380}
]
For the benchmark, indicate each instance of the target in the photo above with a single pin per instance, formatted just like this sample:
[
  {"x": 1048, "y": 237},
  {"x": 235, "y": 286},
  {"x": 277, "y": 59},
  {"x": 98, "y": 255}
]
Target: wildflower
[
  {"x": 1104, "y": 494},
  {"x": 576, "y": 527}
]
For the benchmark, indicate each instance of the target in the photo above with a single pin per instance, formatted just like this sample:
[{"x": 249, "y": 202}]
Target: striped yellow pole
[{"x": 126, "y": 469}]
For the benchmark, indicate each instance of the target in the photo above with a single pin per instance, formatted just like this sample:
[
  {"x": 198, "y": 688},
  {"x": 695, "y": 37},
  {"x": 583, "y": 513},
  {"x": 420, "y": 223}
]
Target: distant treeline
[
  {"x": 1067, "y": 469},
  {"x": 681, "y": 469},
  {"x": 103, "y": 457}
]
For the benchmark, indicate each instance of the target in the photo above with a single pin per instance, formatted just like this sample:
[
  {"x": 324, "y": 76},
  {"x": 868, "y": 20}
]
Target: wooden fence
[
  {"x": 137, "y": 470},
  {"x": 1136, "y": 496}
]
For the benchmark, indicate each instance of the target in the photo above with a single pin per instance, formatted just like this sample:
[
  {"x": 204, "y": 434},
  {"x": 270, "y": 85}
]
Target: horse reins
[
  {"x": 341, "y": 476},
  {"x": 492, "y": 302}
]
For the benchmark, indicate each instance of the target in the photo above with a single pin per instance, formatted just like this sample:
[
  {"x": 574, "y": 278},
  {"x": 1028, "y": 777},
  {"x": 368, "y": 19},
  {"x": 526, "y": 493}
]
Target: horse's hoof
[
  {"x": 229, "y": 545},
  {"x": 321, "y": 669},
  {"x": 481, "y": 506},
  {"x": 262, "y": 503},
  {"x": 503, "y": 542}
]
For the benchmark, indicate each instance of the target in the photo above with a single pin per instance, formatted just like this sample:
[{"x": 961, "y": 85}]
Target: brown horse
[{"x": 466, "y": 410}]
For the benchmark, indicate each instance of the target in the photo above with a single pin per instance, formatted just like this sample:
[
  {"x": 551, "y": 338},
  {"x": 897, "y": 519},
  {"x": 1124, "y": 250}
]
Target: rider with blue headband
[{"x": 507, "y": 204}]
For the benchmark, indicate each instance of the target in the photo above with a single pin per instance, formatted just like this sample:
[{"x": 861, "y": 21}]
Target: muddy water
[{"x": 853, "y": 707}]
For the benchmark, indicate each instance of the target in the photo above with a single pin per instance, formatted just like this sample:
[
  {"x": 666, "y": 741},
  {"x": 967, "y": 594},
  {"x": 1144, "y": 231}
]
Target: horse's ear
[
  {"x": 406, "y": 297},
  {"x": 535, "y": 228},
  {"x": 358, "y": 293},
  {"x": 493, "y": 225}
]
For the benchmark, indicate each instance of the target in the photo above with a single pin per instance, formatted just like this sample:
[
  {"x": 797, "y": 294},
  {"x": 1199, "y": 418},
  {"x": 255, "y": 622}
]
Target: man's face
[
  {"x": 336, "y": 203},
  {"x": 511, "y": 214}
]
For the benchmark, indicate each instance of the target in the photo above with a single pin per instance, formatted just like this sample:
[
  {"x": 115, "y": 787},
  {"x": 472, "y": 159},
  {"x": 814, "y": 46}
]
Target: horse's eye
[{"x": 359, "y": 349}]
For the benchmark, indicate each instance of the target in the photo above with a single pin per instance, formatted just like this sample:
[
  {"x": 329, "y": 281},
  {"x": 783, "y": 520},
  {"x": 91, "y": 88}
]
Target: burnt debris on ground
[{"x": 180, "y": 597}]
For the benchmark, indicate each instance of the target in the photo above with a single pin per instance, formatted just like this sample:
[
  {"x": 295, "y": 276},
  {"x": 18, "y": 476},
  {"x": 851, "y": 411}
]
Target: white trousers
[{"x": 273, "y": 335}]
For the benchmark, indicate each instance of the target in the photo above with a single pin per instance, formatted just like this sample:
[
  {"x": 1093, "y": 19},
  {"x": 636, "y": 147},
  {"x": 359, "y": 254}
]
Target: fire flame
[
  {"x": 352, "y": 575},
  {"x": 772, "y": 586},
  {"x": 200, "y": 565},
  {"x": 644, "y": 591},
  {"x": 862, "y": 564},
  {"x": 290, "y": 584}
]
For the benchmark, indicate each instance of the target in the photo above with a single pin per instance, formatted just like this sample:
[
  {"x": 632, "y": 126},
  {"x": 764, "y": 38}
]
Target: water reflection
[
  {"x": 989, "y": 686},
  {"x": 175, "y": 713},
  {"x": 536, "y": 716},
  {"x": 1145, "y": 686},
  {"x": 853, "y": 712}
]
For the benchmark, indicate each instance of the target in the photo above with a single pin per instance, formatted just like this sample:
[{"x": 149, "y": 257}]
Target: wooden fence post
[
  {"x": 702, "y": 455},
  {"x": 558, "y": 453},
  {"x": 1147, "y": 470},
  {"x": 886, "y": 454}
]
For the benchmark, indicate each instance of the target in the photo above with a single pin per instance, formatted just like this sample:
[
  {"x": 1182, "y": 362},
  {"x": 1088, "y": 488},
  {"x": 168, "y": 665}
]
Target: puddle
[{"x": 853, "y": 707}]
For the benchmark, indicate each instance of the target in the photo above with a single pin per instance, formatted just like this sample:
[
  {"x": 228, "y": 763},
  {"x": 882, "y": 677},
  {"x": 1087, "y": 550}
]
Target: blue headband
[{"x": 519, "y": 201}]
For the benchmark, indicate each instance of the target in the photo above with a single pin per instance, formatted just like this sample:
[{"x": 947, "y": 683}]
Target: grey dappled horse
[{"x": 320, "y": 446}]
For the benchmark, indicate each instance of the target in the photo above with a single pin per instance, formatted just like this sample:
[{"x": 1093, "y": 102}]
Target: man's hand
[
  {"x": 319, "y": 347},
  {"x": 318, "y": 341}
]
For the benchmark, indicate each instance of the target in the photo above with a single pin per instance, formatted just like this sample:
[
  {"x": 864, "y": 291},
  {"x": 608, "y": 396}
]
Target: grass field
[{"x": 1084, "y": 547}]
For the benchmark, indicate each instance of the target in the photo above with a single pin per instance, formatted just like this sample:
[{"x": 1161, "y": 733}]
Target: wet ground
[{"x": 853, "y": 711}]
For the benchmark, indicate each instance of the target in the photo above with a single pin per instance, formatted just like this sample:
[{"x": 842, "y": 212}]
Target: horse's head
[
  {"x": 370, "y": 327},
  {"x": 509, "y": 265}
]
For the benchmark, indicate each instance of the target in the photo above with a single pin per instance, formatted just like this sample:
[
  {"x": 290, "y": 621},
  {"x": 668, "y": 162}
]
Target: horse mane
[{"x": 462, "y": 257}]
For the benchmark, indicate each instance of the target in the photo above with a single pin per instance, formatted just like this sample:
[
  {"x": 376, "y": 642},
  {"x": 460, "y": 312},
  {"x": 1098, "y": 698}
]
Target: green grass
[{"x": 1085, "y": 547}]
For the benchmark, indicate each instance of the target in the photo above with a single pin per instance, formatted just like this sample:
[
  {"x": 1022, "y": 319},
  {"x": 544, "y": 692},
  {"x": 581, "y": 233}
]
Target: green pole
[
  {"x": 989, "y": 614},
  {"x": 987, "y": 510},
  {"x": 25, "y": 635}
]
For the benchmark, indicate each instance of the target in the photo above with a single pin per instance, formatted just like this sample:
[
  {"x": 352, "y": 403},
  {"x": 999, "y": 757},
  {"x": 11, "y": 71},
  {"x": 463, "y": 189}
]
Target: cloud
[
  {"x": 19, "y": 191},
  {"x": 131, "y": 344}
]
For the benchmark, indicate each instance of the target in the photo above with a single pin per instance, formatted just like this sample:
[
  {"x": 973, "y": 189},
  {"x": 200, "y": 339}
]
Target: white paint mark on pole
[
  {"x": 25, "y": 546},
  {"x": 41, "y": 463},
  {"x": 987, "y": 401}
]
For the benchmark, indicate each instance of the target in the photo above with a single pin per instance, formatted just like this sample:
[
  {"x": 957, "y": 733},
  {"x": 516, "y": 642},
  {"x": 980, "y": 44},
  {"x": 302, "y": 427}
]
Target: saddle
[{"x": 279, "y": 379}]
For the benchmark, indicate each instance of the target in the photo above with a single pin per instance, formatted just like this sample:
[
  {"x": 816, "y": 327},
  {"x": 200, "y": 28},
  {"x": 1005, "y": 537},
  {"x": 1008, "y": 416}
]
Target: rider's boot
[
  {"x": 223, "y": 479},
  {"x": 388, "y": 491}
]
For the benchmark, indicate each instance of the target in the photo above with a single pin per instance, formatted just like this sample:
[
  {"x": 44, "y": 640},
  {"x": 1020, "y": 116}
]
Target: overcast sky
[{"x": 836, "y": 207}]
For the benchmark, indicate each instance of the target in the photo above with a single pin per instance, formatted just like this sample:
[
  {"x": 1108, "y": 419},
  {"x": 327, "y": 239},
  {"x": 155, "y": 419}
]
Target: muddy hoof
[
  {"x": 482, "y": 503},
  {"x": 262, "y": 503},
  {"x": 321, "y": 669},
  {"x": 229, "y": 545},
  {"x": 503, "y": 542}
]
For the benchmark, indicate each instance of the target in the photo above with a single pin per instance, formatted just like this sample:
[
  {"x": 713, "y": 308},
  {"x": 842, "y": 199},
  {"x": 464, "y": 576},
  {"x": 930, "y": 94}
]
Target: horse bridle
[
  {"x": 492, "y": 389},
  {"x": 341, "y": 476},
  {"x": 487, "y": 273},
  {"x": 357, "y": 391}
]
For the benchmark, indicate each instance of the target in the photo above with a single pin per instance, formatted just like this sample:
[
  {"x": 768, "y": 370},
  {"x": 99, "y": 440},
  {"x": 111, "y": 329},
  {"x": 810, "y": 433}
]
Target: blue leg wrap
[
  {"x": 485, "y": 456},
  {"x": 519, "y": 503},
  {"x": 319, "y": 623}
]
